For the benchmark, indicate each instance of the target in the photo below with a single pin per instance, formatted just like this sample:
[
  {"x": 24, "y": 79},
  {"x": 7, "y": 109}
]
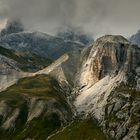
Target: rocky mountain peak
[
  {"x": 113, "y": 38},
  {"x": 108, "y": 63},
  {"x": 109, "y": 55}
]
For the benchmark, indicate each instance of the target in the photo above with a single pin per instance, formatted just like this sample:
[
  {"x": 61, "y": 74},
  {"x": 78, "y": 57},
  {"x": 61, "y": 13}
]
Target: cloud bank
[{"x": 95, "y": 16}]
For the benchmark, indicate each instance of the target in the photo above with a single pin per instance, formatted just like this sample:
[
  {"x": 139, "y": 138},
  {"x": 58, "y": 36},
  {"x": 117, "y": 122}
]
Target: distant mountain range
[
  {"x": 16, "y": 38},
  {"x": 39, "y": 43},
  {"x": 75, "y": 35}
]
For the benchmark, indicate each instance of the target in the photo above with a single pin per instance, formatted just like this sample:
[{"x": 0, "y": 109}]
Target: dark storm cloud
[{"x": 95, "y": 16}]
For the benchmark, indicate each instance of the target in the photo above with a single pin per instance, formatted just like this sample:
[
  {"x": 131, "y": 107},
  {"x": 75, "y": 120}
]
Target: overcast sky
[{"x": 97, "y": 17}]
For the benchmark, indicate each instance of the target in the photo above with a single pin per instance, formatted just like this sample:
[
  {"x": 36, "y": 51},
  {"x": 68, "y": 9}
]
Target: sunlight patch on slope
[{"x": 91, "y": 100}]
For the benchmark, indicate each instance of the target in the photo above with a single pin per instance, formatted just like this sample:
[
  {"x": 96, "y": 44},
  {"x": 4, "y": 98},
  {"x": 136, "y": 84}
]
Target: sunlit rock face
[
  {"x": 111, "y": 62},
  {"x": 109, "y": 55}
]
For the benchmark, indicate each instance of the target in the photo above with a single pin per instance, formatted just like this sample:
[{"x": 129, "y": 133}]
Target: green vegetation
[
  {"x": 39, "y": 129},
  {"x": 81, "y": 130},
  {"x": 41, "y": 87},
  {"x": 27, "y": 61}
]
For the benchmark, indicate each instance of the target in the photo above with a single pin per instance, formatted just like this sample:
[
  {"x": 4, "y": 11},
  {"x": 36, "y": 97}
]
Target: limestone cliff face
[
  {"x": 108, "y": 82},
  {"x": 109, "y": 55}
]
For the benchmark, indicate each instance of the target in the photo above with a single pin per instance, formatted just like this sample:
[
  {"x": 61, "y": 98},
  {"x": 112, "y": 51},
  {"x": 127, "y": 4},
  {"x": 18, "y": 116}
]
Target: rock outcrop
[
  {"x": 111, "y": 62},
  {"x": 109, "y": 55}
]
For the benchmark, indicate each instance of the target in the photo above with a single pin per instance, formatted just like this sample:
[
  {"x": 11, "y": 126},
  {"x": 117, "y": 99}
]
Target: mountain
[
  {"x": 75, "y": 35},
  {"x": 108, "y": 86},
  {"x": 26, "y": 61},
  {"x": 92, "y": 93},
  {"x": 39, "y": 43},
  {"x": 33, "y": 108},
  {"x": 135, "y": 39},
  {"x": 14, "y": 66},
  {"x": 8, "y": 72},
  {"x": 38, "y": 102}
]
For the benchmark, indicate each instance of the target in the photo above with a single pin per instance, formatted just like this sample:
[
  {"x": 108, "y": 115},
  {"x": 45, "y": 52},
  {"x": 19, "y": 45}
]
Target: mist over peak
[
  {"x": 97, "y": 17},
  {"x": 77, "y": 34},
  {"x": 12, "y": 26}
]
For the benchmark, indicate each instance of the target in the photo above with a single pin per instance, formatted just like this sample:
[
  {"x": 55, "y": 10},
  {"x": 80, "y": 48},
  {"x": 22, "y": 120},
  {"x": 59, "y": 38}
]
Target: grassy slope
[
  {"x": 46, "y": 88},
  {"x": 27, "y": 61},
  {"x": 81, "y": 130},
  {"x": 42, "y": 87}
]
